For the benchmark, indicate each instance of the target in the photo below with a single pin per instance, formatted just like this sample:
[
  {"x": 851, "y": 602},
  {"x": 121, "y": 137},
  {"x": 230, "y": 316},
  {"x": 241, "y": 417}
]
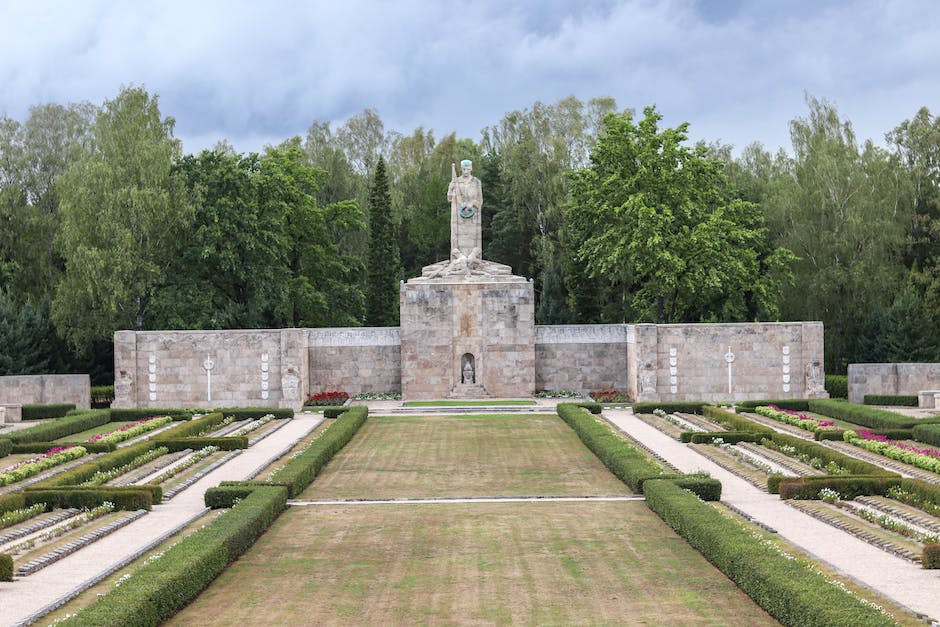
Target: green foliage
[
  {"x": 165, "y": 585},
  {"x": 794, "y": 404},
  {"x": 12, "y": 501},
  {"x": 685, "y": 407},
  {"x": 837, "y": 385},
  {"x": 594, "y": 408},
  {"x": 60, "y": 428},
  {"x": 140, "y": 413},
  {"x": 828, "y": 456},
  {"x": 231, "y": 443},
  {"x": 628, "y": 463},
  {"x": 792, "y": 590},
  {"x": 891, "y": 399},
  {"x": 928, "y": 434},
  {"x": 848, "y": 487},
  {"x": 334, "y": 412},
  {"x": 28, "y": 341},
  {"x": 124, "y": 498},
  {"x": 733, "y": 421},
  {"x": 50, "y": 410},
  {"x": 102, "y": 396},
  {"x": 194, "y": 427},
  {"x": 6, "y": 446},
  {"x": 728, "y": 437},
  {"x": 297, "y": 473},
  {"x": 930, "y": 558},
  {"x": 6, "y": 567},
  {"x": 253, "y": 413},
  {"x": 384, "y": 261},
  {"x": 865, "y": 416},
  {"x": 42, "y": 447}
]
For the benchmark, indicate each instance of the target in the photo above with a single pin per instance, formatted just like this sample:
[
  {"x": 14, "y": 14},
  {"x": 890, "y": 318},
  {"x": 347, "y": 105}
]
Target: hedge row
[
  {"x": 83, "y": 472},
  {"x": 826, "y": 455},
  {"x": 729, "y": 437},
  {"x": 231, "y": 443},
  {"x": 192, "y": 428},
  {"x": 6, "y": 447},
  {"x": 42, "y": 447},
  {"x": 837, "y": 385},
  {"x": 139, "y": 413},
  {"x": 253, "y": 413},
  {"x": 6, "y": 567},
  {"x": 791, "y": 590},
  {"x": 75, "y": 423},
  {"x": 594, "y": 408},
  {"x": 12, "y": 501},
  {"x": 866, "y": 416},
  {"x": 930, "y": 557},
  {"x": 890, "y": 399},
  {"x": 685, "y": 407},
  {"x": 302, "y": 469},
  {"x": 734, "y": 422},
  {"x": 124, "y": 497},
  {"x": 891, "y": 434},
  {"x": 334, "y": 411},
  {"x": 166, "y": 585},
  {"x": 49, "y": 410},
  {"x": 793, "y": 404},
  {"x": 848, "y": 487},
  {"x": 928, "y": 434}
]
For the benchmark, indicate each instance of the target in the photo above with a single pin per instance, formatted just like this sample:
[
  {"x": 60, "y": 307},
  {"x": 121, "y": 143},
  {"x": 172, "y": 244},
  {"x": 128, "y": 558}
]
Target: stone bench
[
  {"x": 928, "y": 399},
  {"x": 10, "y": 412}
]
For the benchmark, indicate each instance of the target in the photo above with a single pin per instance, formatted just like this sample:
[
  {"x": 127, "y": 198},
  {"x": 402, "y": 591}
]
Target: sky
[{"x": 257, "y": 73}]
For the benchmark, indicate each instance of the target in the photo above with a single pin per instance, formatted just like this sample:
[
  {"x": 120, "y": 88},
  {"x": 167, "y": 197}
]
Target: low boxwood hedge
[
  {"x": 930, "y": 558},
  {"x": 12, "y": 501},
  {"x": 685, "y": 407},
  {"x": 793, "y": 404},
  {"x": 6, "y": 567},
  {"x": 891, "y": 399},
  {"x": 230, "y": 443},
  {"x": 164, "y": 586},
  {"x": 192, "y": 428},
  {"x": 228, "y": 494},
  {"x": 828, "y": 434},
  {"x": 848, "y": 487},
  {"x": 139, "y": 413},
  {"x": 36, "y": 411},
  {"x": 594, "y": 408},
  {"x": 826, "y": 455},
  {"x": 334, "y": 411},
  {"x": 791, "y": 590},
  {"x": 6, "y": 447},
  {"x": 124, "y": 497},
  {"x": 729, "y": 437},
  {"x": 928, "y": 434},
  {"x": 735, "y": 422},
  {"x": 837, "y": 385},
  {"x": 62, "y": 427},
  {"x": 297, "y": 473},
  {"x": 253, "y": 413},
  {"x": 42, "y": 447},
  {"x": 865, "y": 416},
  {"x": 891, "y": 434},
  {"x": 85, "y": 471}
]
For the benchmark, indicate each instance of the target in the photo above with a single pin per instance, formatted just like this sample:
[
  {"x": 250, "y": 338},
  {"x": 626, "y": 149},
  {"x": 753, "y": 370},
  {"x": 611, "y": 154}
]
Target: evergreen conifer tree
[{"x": 384, "y": 261}]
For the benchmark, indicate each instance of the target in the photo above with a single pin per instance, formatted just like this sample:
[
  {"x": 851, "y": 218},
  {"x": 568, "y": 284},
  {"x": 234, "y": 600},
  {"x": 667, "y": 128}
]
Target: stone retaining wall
[
  {"x": 46, "y": 388},
  {"x": 582, "y": 358},
  {"x": 891, "y": 379}
]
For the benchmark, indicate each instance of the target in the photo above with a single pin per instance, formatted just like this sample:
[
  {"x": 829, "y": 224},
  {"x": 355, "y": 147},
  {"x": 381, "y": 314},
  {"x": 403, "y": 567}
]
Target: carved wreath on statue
[{"x": 467, "y": 211}]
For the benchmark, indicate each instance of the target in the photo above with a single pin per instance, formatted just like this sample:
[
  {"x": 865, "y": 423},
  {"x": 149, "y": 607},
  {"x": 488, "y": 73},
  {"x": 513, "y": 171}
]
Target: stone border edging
[
  {"x": 88, "y": 583},
  {"x": 134, "y": 478},
  {"x": 50, "y": 472},
  {"x": 65, "y": 550},
  {"x": 39, "y": 526},
  {"x": 914, "y": 519}
]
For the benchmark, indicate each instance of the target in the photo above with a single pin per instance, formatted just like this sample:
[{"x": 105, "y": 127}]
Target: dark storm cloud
[{"x": 257, "y": 73}]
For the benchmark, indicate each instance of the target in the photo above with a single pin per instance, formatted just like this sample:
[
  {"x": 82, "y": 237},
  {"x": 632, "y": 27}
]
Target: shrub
[
  {"x": 194, "y": 427},
  {"x": 253, "y": 413},
  {"x": 686, "y": 407},
  {"x": 12, "y": 501},
  {"x": 42, "y": 411},
  {"x": 227, "y": 494},
  {"x": 794, "y": 404},
  {"x": 827, "y": 455},
  {"x": 594, "y": 408},
  {"x": 837, "y": 385},
  {"x": 333, "y": 412},
  {"x": 85, "y": 471},
  {"x": 807, "y": 488},
  {"x": 139, "y": 413},
  {"x": 735, "y": 422},
  {"x": 68, "y": 425},
  {"x": 929, "y": 559},
  {"x": 928, "y": 434},
  {"x": 297, "y": 473},
  {"x": 6, "y": 567},
  {"x": 729, "y": 437},
  {"x": 224, "y": 444},
  {"x": 629, "y": 464},
  {"x": 124, "y": 497},
  {"x": 890, "y": 399},
  {"x": 164, "y": 586},
  {"x": 321, "y": 399},
  {"x": 610, "y": 396},
  {"x": 706, "y": 488},
  {"x": 6, "y": 447},
  {"x": 102, "y": 396},
  {"x": 42, "y": 447},
  {"x": 792, "y": 590},
  {"x": 828, "y": 434},
  {"x": 865, "y": 416}
]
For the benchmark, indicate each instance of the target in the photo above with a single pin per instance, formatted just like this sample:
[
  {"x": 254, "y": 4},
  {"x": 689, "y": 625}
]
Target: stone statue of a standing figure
[{"x": 465, "y": 194}]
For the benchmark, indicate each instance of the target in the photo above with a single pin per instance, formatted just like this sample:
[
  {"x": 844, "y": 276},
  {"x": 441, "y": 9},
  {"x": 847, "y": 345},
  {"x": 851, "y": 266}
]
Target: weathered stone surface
[
  {"x": 46, "y": 388},
  {"x": 891, "y": 379}
]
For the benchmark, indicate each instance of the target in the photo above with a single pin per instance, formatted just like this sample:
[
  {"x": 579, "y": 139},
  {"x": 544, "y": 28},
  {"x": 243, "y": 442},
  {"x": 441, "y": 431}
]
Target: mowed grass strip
[
  {"x": 533, "y": 563},
  {"x": 453, "y": 456}
]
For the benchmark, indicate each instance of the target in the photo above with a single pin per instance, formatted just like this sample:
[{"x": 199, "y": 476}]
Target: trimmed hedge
[
  {"x": 228, "y": 494},
  {"x": 685, "y": 407},
  {"x": 891, "y": 434},
  {"x": 253, "y": 413},
  {"x": 192, "y": 428},
  {"x": 929, "y": 559},
  {"x": 705, "y": 487},
  {"x": 791, "y": 590},
  {"x": 102, "y": 396},
  {"x": 6, "y": 567},
  {"x": 928, "y": 434},
  {"x": 164, "y": 586},
  {"x": 12, "y": 501},
  {"x": 837, "y": 385},
  {"x": 594, "y": 408},
  {"x": 848, "y": 487},
  {"x": 628, "y": 463},
  {"x": 866, "y": 416},
  {"x": 42, "y": 447},
  {"x": 826, "y": 455},
  {"x": 139, "y": 413},
  {"x": 794, "y": 404},
  {"x": 68, "y": 425},
  {"x": 297, "y": 473},
  {"x": 124, "y": 498},
  {"x": 828, "y": 434},
  {"x": 37, "y": 411},
  {"x": 734, "y": 422},
  {"x": 334, "y": 412},
  {"x": 6, "y": 447},
  {"x": 890, "y": 399},
  {"x": 85, "y": 471},
  {"x": 729, "y": 437},
  {"x": 230, "y": 443}
]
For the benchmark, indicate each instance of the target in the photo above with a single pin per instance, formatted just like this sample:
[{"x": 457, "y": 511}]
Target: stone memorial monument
[{"x": 467, "y": 324}]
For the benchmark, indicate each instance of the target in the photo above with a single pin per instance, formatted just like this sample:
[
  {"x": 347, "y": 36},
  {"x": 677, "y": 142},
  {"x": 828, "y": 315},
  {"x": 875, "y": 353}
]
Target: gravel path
[{"x": 895, "y": 578}]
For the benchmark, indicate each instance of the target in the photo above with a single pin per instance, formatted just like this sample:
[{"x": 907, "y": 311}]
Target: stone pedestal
[{"x": 467, "y": 337}]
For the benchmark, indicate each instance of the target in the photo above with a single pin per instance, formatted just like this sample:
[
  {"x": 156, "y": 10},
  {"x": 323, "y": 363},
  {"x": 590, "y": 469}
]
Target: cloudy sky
[{"x": 259, "y": 72}]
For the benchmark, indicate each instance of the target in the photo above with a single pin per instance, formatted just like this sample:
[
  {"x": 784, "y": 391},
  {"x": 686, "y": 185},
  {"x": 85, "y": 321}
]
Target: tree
[
  {"x": 384, "y": 264},
  {"x": 122, "y": 211},
  {"x": 661, "y": 218}
]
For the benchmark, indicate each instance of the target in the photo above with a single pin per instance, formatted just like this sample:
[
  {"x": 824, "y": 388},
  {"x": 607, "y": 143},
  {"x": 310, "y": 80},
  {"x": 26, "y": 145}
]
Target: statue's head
[{"x": 465, "y": 166}]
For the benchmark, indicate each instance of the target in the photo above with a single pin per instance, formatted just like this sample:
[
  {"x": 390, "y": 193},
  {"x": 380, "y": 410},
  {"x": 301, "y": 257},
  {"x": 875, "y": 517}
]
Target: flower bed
[
  {"x": 378, "y": 396},
  {"x": 610, "y": 396},
  {"x": 52, "y": 457},
  {"x": 325, "y": 399},
  {"x": 925, "y": 458},
  {"x": 131, "y": 430},
  {"x": 795, "y": 418}
]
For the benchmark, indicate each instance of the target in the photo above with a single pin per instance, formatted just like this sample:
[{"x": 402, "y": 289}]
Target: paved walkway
[
  {"x": 22, "y": 599},
  {"x": 898, "y": 579}
]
